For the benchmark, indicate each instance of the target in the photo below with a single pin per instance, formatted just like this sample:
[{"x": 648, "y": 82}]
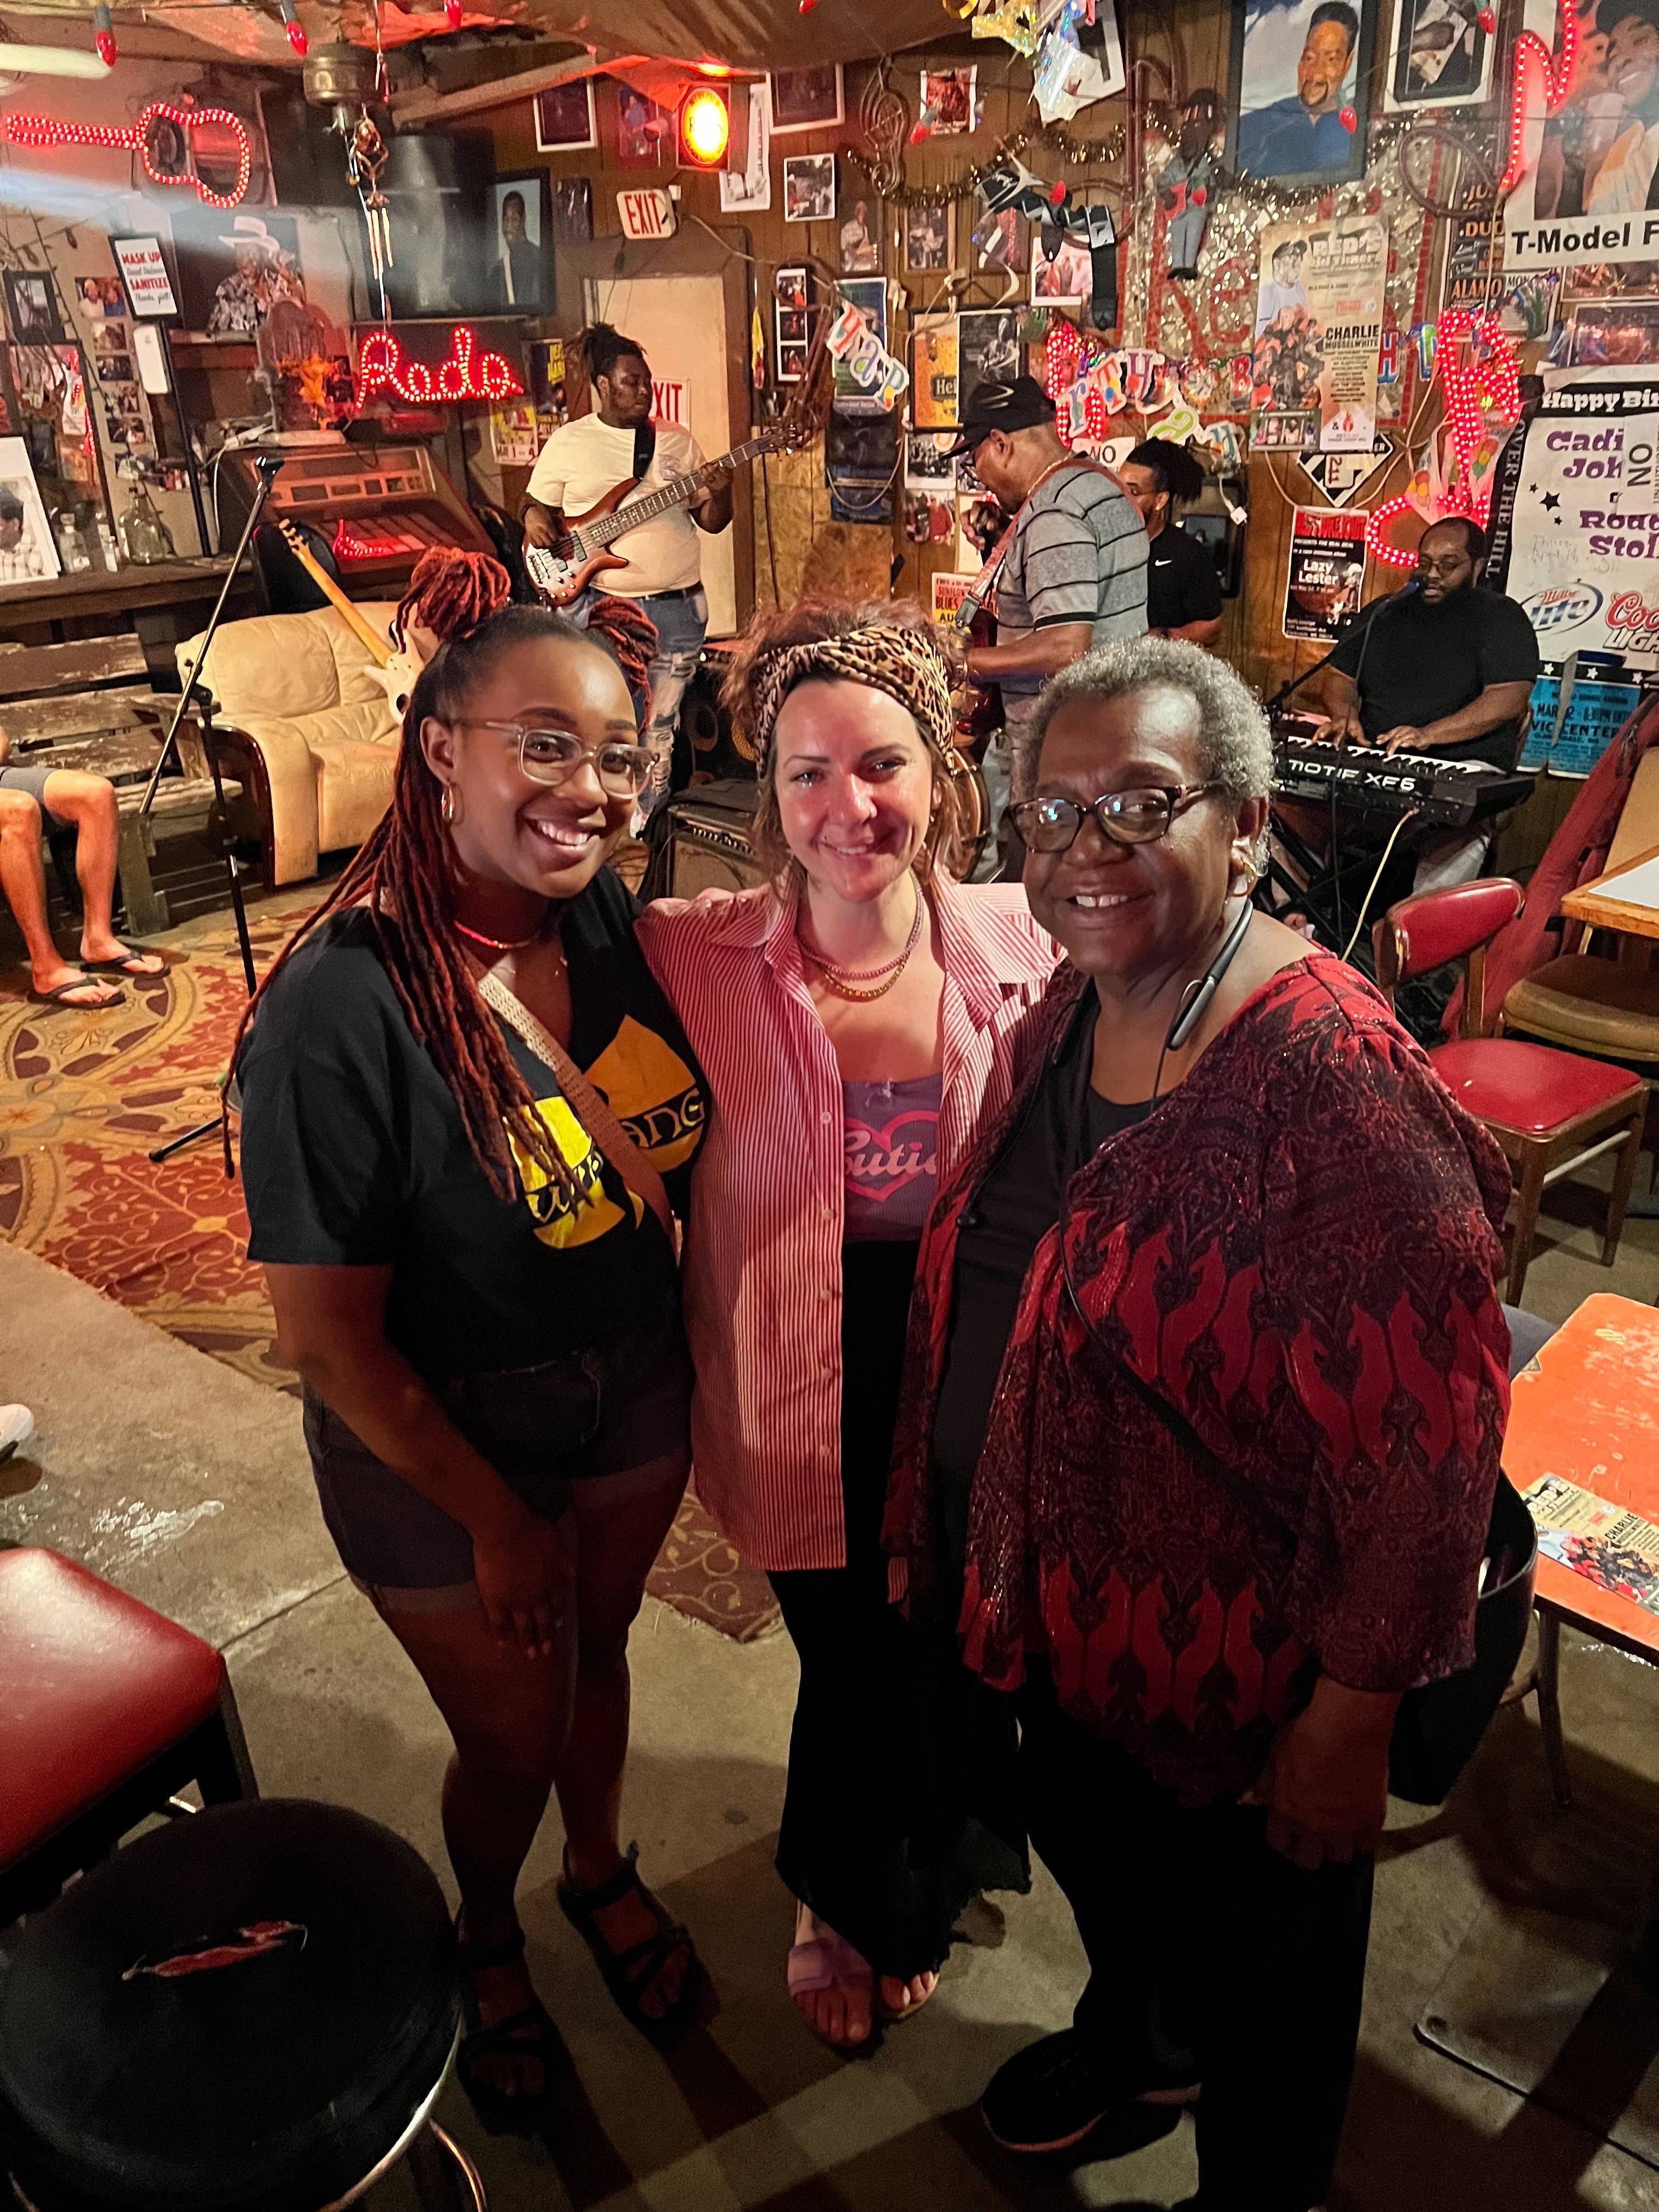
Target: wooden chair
[
  {"x": 1608, "y": 1007},
  {"x": 1552, "y": 1112}
]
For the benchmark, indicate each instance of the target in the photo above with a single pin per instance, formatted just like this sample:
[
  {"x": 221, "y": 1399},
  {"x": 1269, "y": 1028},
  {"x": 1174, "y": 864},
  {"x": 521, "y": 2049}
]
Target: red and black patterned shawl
[{"x": 1299, "y": 1250}]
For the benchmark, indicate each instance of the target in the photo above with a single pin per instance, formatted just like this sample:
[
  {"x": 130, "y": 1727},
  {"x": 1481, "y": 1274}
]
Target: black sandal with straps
[
  {"x": 629, "y": 1973},
  {"x": 527, "y": 2033}
]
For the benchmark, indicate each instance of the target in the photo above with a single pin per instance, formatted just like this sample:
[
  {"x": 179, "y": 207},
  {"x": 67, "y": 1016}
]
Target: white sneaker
[{"x": 16, "y": 1427}]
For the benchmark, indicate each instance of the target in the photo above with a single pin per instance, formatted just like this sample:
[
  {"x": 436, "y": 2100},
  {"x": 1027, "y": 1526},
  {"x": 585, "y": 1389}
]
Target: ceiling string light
[
  {"x": 295, "y": 29},
  {"x": 103, "y": 34}
]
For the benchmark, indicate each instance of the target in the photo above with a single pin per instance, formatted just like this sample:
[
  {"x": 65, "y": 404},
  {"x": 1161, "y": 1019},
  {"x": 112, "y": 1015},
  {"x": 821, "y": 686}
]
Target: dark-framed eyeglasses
[
  {"x": 1127, "y": 817},
  {"x": 555, "y": 756}
]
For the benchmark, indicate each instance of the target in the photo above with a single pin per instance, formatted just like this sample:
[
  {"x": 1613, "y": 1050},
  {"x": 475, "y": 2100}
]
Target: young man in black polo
[
  {"x": 1447, "y": 669},
  {"x": 1183, "y": 593}
]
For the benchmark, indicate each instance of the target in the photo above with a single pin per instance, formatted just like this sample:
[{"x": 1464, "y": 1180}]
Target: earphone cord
[{"x": 1202, "y": 988}]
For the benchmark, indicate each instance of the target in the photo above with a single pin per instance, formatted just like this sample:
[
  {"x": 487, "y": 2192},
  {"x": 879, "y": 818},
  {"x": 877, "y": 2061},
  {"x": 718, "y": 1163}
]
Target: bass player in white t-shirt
[{"x": 584, "y": 459}]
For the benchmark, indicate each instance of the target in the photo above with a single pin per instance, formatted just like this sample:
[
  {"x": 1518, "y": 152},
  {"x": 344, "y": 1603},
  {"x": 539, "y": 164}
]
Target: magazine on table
[{"x": 1615, "y": 1549}]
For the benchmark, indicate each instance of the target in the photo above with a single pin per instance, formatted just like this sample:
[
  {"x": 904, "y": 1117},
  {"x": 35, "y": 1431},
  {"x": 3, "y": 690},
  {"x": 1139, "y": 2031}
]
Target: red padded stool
[
  {"x": 1552, "y": 1112},
  {"x": 106, "y": 1709}
]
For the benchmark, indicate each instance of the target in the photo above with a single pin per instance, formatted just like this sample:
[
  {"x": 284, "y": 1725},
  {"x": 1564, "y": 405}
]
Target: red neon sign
[
  {"x": 467, "y": 374},
  {"x": 1485, "y": 387},
  {"x": 31, "y": 129},
  {"x": 1557, "y": 82}
]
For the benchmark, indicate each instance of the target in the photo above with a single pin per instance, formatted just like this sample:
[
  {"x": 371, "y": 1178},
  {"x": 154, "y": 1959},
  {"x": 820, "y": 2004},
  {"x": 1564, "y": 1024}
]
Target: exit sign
[{"x": 646, "y": 214}]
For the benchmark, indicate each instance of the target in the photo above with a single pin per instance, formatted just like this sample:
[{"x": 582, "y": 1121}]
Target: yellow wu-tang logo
[
  {"x": 561, "y": 1221},
  {"x": 652, "y": 1092}
]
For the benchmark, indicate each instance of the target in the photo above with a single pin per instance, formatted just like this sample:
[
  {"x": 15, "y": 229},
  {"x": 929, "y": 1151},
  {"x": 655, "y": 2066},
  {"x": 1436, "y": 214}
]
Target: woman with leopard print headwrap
[{"x": 854, "y": 1019}]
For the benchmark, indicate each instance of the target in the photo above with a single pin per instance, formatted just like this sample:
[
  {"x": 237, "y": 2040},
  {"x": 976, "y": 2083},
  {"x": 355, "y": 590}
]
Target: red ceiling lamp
[
  {"x": 295, "y": 28},
  {"x": 103, "y": 34},
  {"x": 705, "y": 128}
]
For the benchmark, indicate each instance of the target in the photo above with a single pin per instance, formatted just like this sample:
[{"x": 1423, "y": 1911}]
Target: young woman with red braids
[{"x": 471, "y": 1256}]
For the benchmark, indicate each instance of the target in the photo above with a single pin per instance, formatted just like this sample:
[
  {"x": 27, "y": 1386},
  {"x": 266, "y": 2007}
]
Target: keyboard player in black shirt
[{"x": 1446, "y": 669}]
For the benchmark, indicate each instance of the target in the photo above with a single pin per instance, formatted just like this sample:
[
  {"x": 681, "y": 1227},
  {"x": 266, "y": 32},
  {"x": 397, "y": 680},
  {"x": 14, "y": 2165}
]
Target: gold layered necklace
[{"x": 844, "y": 981}]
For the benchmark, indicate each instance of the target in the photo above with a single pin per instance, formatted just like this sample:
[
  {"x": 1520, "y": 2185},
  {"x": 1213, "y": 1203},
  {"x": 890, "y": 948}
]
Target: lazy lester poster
[{"x": 1575, "y": 515}]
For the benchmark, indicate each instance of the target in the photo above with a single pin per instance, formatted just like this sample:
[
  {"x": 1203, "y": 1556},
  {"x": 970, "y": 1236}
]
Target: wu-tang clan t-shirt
[{"x": 353, "y": 1152}]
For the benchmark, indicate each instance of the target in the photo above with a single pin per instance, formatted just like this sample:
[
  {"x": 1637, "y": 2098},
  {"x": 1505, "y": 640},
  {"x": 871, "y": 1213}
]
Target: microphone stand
[{"x": 266, "y": 464}]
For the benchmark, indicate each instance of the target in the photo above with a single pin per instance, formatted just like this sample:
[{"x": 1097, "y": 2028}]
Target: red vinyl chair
[
  {"x": 1552, "y": 1111},
  {"x": 107, "y": 1709}
]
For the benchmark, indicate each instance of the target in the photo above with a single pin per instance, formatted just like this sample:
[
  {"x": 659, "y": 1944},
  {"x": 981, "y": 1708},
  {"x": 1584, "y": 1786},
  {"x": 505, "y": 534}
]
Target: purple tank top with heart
[{"x": 891, "y": 1131}]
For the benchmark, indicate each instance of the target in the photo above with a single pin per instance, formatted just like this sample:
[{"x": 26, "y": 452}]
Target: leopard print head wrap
[{"x": 906, "y": 664}]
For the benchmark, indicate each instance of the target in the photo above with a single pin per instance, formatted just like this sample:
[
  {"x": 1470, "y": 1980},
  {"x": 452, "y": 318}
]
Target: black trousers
[
  {"x": 1203, "y": 1940},
  {"x": 902, "y": 1800}
]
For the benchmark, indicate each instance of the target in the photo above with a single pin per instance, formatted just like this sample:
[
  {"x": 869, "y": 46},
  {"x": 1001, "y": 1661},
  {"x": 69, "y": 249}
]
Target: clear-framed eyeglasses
[
  {"x": 554, "y": 755},
  {"x": 1127, "y": 817}
]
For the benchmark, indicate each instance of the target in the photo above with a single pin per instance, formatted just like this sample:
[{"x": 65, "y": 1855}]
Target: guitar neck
[
  {"x": 330, "y": 590},
  {"x": 675, "y": 492}
]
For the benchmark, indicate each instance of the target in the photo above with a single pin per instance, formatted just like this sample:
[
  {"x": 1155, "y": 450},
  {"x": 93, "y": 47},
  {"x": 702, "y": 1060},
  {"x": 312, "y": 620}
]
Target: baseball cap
[{"x": 1022, "y": 405}]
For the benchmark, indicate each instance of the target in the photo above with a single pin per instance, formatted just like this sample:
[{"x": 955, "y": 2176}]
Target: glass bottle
[
  {"x": 71, "y": 548},
  {"x": 144, "y": 536}
]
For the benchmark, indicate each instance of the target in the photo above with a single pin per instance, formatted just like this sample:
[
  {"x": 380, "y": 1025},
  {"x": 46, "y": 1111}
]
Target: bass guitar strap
[{"x": 645, "y": 449}]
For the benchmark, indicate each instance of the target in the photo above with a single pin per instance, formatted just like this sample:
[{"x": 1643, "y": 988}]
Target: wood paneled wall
[{"x": 793, "y": 537}]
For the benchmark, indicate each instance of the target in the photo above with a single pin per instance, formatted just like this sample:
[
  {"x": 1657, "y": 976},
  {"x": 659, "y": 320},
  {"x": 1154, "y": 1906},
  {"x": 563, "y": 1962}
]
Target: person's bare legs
[
  {"x": 89, "y": 802},
  {"x": 23, "y": 880},
  {"x": 508, "y": 1717},
  {"x": 618, "y": 1536}
]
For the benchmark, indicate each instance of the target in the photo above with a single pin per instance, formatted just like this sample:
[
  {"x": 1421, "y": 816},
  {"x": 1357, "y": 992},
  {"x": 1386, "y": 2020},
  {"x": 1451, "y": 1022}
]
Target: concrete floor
[{"x": 187, "y": 1485}]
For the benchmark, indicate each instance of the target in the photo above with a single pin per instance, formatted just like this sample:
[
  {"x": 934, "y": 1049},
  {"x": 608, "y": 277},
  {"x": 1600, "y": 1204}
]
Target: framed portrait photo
[
  {"x": 564, "y": 117},
  {"x": 1438, "y": 57},
  {"x": 861, "y": 237},
  {"x": 807, "y": 99},
  {"x": 518, "y": 245},
  {"x": 930, "y": 237},
  {"x": 32, "y": 308},
  {"x": 642, "y": 128},
  {"x": 1299, "y": 90},
  {"x": 572, "y": 210},
  {"x": 808, "y": 188}
]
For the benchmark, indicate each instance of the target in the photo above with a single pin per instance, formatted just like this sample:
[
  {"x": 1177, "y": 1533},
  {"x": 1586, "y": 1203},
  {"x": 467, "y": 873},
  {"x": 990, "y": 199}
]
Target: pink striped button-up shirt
[{"x": 762, "y": 1255}]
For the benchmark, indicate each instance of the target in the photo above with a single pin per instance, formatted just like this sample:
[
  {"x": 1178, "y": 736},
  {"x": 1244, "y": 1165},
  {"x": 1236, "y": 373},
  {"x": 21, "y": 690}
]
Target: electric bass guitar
[
  {"x": 396, "y": 670},
  {"x": 561, "y": 573}
]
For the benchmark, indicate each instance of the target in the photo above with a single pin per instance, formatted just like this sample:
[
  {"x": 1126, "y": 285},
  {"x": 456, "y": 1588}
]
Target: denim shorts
[{"x": 389, "y": 1537}]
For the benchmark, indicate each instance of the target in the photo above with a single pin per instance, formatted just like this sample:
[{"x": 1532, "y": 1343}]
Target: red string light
[
  {"x": 45, "y": 131},
  {"x": 1480, "y": 374},
  {"x": 103, "y": 34},
  {"x": 1557, "y": 75},
  {"x": 467, "y": 374},
  {"x": 295, "y": 28}
]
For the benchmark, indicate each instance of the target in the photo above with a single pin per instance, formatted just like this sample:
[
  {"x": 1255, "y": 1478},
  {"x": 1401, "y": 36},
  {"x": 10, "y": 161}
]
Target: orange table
[
  {"x": 1600, "y": 906},
  {"x": 1587, "y": 1409}
]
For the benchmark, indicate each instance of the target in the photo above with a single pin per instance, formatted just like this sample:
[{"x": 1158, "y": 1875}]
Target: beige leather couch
[{"x": 300, "y": 698}]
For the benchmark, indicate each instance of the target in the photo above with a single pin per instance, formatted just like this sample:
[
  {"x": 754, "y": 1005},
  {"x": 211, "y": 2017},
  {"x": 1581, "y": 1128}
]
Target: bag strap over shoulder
[{"x": 584, "y": 1102}]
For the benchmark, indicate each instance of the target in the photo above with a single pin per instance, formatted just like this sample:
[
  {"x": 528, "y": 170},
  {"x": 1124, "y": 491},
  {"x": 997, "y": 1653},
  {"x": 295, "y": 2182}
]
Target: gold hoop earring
[{"x": 452, "y": 808}]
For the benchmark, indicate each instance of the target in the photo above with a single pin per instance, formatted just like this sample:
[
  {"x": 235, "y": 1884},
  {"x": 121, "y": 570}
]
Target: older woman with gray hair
[{"x": 1202, "y": 1415}]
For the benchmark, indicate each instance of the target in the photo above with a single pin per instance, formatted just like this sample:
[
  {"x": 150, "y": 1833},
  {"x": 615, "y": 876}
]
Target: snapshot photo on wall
[
  {"x": 1062, "y": 269},
  {"x": 806, "y": 98},
  {"x": 930, "y": 239},
  {"x": 1439, "y": 56},
  {"x": 564, "y": 117},
  {"x": 641, "y": 128},
  {"x": 861, "y": 240},
  {"x": 32, "y": 308},
  {"x": 27, "y": 550},
  {"x": 1299, "y": 91},
  {"x": 572, "y": 210},
  {"x": 808, "y": 188},
  {"x": 1002, "y": 241},
  {"x": 517, "y": 246},
  {"x": 790, "y": 299},
  {"x": 987, "y": 351},
  {"x": 233, "y": 268},
  {"x": 749, "y": 191}
]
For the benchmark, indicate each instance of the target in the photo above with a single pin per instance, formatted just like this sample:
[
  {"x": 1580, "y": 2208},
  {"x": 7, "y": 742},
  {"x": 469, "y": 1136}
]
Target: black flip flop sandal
[
  {"x": 629, "y": 1974},
  {"x": 59, "y": 996},
  {"x": 129, "y": 963},
  {"x": 527, "y": 2033}
]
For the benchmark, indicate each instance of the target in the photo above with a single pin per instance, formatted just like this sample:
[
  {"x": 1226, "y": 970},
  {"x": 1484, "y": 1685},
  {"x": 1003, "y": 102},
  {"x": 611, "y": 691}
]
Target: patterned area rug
[{"x": 85, "y": 1097}]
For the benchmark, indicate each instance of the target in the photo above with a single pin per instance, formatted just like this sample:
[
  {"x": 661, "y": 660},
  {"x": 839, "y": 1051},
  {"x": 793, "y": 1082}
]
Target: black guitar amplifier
[{"x": 699, "y": 841}]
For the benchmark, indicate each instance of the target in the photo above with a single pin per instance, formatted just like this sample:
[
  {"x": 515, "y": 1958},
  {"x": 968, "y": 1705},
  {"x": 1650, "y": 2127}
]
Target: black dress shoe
[{"x": 1052, "y": 2094}]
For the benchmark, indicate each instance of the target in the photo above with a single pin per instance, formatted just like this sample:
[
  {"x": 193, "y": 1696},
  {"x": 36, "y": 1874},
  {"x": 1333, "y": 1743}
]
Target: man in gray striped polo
[{"x": 1073, "y": 575}]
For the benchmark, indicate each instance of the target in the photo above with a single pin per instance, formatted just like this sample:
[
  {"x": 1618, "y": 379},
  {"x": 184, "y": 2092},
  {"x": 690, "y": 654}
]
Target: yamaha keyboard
[{"x": 1448, "y": 792}]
